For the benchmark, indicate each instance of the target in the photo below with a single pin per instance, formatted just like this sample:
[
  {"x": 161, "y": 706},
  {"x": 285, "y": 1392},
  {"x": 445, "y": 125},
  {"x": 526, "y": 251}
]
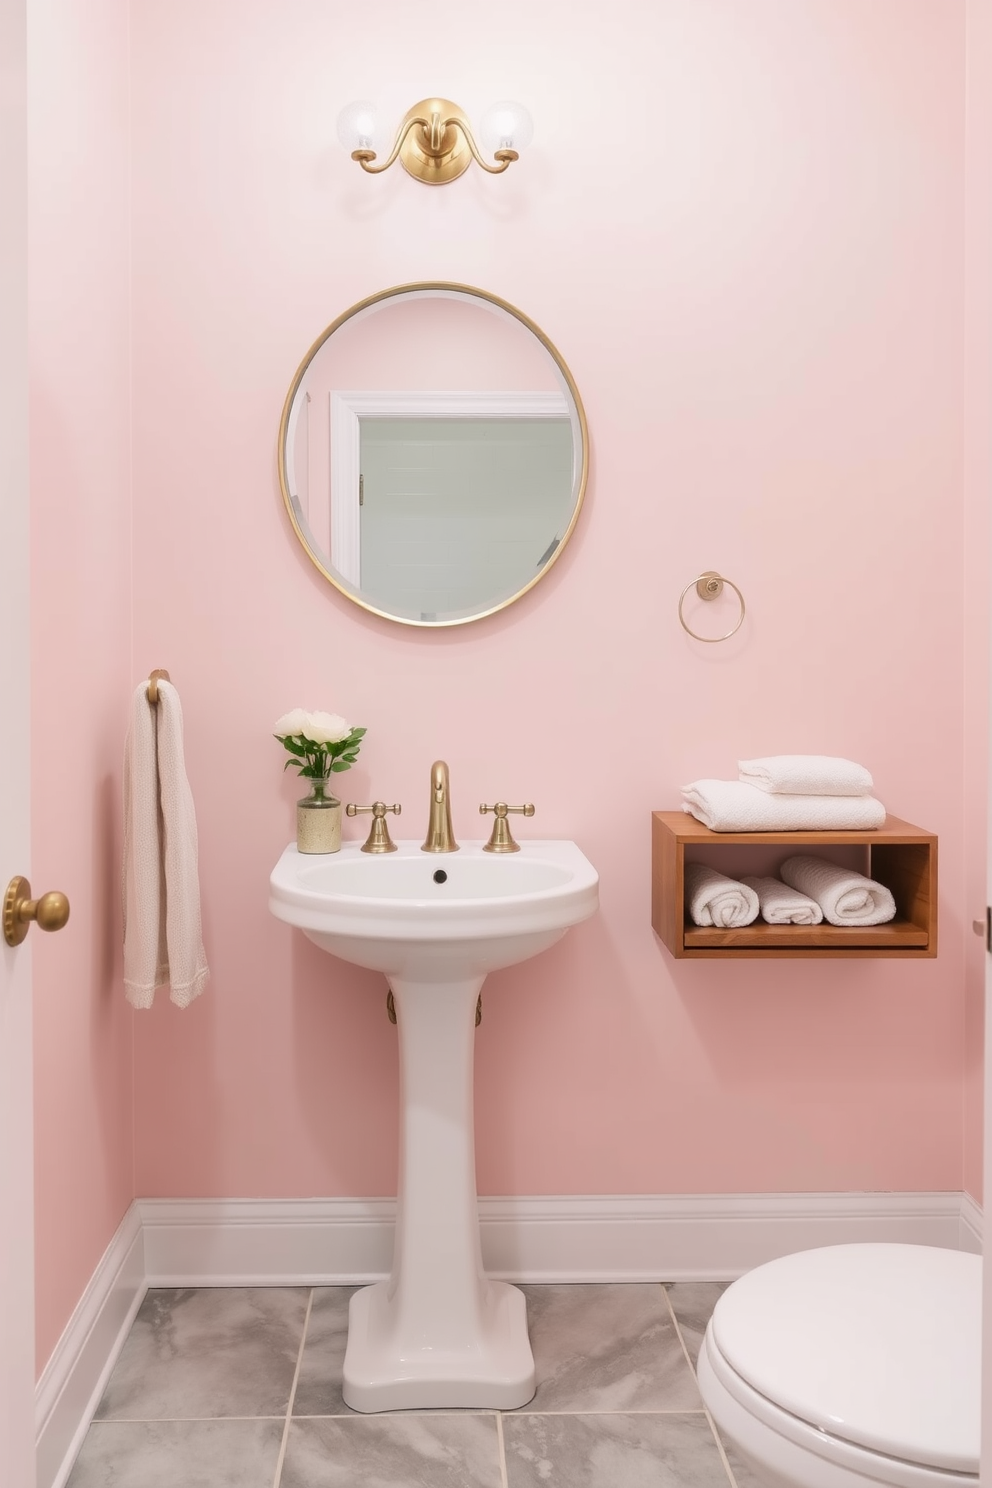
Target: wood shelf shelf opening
[{"x": 898, "y": 855}]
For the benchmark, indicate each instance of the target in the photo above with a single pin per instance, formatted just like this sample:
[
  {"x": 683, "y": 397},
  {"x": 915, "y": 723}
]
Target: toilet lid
[{"x": 879, "y": 1345}]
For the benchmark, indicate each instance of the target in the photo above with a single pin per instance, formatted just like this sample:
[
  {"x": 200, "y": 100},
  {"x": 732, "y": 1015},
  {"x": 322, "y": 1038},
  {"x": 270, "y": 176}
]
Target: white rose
[
  {"x": 291, "y": 723},
  {"x": 326, "y": 728}
]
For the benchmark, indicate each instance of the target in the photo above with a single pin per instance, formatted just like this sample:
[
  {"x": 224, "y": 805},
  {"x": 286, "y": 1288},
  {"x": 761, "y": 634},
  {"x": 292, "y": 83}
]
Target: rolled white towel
[
  {"x": 846, "y": 898},
  {"x": 714, "y": 899},
  {"x": 781, "y": 905},
  {"x": 733, "y": 806},
  {"x": 807, "y": 775}
]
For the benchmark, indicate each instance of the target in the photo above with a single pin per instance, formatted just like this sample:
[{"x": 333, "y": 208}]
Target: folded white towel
[
  {"x": 733, "y": 806},
  {"x": 846, "y": 898},
  {"x": 807, "y": 775},
  {"x": 781, "y": 905},
  {"x": 714, "y": 899},
  {"x": 162, "y": 940}
]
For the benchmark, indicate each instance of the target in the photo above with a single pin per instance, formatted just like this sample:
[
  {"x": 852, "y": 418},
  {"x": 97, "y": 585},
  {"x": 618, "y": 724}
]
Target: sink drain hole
[{"x": 440, "y": 876}]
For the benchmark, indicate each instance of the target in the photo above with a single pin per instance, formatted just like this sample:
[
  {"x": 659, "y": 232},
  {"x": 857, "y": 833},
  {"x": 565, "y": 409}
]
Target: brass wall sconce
[{"x": 435, "y": 143}]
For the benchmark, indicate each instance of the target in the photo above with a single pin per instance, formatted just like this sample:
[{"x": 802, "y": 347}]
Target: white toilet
[{"x": 852, "y": 1366}]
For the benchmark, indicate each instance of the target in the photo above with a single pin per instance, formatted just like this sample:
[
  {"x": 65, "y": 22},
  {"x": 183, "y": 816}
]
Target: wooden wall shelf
[{"x": 899, "y": 855}]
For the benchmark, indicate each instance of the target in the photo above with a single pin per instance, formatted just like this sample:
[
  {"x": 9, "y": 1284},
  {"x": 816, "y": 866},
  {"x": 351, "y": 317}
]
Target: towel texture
[
  {"x": 162, "y": 939},
  {"x": 714, "y": 899},
  {"x": 846, "y": 898},
  {"x": 734, "y": 806},
  {"x": 781, "y": 905},
  {"x": 807, "y": 775}
]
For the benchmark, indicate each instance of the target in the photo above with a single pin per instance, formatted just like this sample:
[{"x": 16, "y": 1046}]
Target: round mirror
[{"x": 433, "y": 454}]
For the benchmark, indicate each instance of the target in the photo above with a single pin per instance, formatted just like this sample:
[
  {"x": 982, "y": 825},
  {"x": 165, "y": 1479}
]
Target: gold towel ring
[{"x": 708, "y": 586}]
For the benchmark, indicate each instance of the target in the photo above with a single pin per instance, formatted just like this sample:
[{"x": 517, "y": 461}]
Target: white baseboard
[
  {"x": 74, "y": 1378},
  {"x": 326, "y": 1242},
  {"x": 971, "y": 1225}
]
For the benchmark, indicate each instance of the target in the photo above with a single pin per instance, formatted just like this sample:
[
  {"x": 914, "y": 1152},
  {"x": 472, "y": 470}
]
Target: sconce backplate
[{"x": 452, "y": 155}]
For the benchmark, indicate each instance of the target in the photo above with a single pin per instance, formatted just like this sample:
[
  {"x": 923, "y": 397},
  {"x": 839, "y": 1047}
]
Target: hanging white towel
[
  {"x": 846, "y": 898},
  {"x": 162, "y": 937},
  {"x": 807, "y": 775},
  {"x": 714, "y": 899},
  {"x": 781, "y": 905},
  {"x": 733, "y": 806}
]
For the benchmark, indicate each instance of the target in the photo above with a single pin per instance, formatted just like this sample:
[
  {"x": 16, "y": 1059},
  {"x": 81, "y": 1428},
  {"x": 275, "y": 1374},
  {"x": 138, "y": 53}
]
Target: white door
[
  {"x": 986, "y": 1457},
  {"x": 16, "y": 1186}
]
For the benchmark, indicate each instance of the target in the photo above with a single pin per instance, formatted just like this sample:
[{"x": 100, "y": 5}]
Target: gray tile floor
[{"x": 242, "y": 1387}]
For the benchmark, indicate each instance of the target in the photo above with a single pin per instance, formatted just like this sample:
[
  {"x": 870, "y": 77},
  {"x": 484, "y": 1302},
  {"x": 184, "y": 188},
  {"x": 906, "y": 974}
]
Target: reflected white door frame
[
  {"x": 348, "y": 408},
  {"x": 17, "y": 1429}
]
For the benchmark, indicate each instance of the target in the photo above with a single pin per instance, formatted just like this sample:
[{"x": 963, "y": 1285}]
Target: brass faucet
[{"x": 440, "y": 837}]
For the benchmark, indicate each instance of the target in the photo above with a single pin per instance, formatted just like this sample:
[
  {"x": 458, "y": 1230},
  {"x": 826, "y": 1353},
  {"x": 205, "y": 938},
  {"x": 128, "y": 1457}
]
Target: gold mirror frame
[{"x": 291, "y": 504}]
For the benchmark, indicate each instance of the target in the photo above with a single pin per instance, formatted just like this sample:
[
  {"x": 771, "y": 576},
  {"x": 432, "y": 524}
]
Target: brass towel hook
[
  {"x": 157, "y": 676},
  {"x": 709, "y": 585}
]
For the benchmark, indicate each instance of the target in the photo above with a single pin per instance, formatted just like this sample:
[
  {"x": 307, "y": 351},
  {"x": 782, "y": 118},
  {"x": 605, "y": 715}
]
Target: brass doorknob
[{"x": 50, "y": 912}]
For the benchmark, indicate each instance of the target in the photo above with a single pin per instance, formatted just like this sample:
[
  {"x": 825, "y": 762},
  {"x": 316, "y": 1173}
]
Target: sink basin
[
  {"x": 438, "y": 1334},
  {"x": 467, "y": 912}
]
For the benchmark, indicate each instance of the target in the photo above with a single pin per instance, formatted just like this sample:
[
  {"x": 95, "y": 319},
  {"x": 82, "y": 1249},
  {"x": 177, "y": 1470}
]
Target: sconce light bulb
[
  {"x": 506, "y": 126},
  {"x": 357, "y": 126}
]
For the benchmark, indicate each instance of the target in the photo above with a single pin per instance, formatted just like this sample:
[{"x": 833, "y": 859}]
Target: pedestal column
[{"x": 438, "y": 1333}]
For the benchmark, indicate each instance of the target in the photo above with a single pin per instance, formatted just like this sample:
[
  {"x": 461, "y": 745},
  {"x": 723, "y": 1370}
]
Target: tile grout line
[
  {"x": 678, "y": 1332},
  {"x": 463, "y": 1411},
  {"x": 176, "y": 1420},
  {"x": 712, "y": 1424},
  {"x": 503, "y": 1479},
  {"x": 527, "y": 1415},
  {"x": 292, "y": 1394},
  {"x": 459, "y": 1411},
  {"x": 721, "y": 1449}
]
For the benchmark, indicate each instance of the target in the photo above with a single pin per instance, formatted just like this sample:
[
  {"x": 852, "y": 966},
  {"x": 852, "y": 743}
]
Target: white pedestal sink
[{"x": 438, "y": 1333}]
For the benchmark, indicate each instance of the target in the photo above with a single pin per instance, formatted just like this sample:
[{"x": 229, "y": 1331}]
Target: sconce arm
[
  {"x": 505, "y": 157},
  {"x": 365, "y": 157}
]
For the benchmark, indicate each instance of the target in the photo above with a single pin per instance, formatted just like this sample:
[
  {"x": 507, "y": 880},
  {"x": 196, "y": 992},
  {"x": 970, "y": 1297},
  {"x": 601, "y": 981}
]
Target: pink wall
[
  {"x": 80, "y": 619},
  {"x": 755, "y": 276}
]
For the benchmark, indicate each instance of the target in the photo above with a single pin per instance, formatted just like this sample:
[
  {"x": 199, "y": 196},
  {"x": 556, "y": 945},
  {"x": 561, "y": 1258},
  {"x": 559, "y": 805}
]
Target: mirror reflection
[{"x": 433, "y": 454}]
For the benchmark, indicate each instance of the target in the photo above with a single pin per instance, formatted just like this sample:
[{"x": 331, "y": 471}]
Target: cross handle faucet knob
[
  {"x": 379, "y": 840},
  {"x": 501, "y": 840}
]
